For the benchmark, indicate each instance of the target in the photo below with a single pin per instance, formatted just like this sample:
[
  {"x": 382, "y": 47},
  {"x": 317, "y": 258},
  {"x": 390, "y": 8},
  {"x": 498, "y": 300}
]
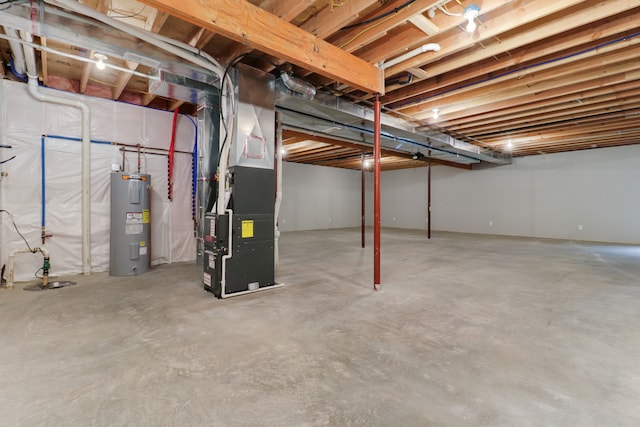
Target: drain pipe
[
  {"x": 16, "y": 50},
  {"x": 36, "y": 92},
  {"x": 45, "y": 268}
]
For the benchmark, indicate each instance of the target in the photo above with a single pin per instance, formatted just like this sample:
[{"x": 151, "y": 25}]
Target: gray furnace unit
[
  {"x": 239, "y": 244},
  {"x": 130, "y": 220}
]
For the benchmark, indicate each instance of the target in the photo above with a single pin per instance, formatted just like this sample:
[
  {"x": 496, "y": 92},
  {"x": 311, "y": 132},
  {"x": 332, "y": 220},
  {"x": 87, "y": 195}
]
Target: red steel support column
[
  {"x": 376, "y": 194},
  {"x": 363, "y": 209},
  {"x": 429, "y": 197}
]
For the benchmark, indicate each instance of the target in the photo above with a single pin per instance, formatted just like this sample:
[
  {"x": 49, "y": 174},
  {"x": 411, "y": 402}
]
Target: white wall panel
[
  {"x": 586, "y": 195},
  {"x": 26, "y": 119},
  {"x": 317, "y": 197}
]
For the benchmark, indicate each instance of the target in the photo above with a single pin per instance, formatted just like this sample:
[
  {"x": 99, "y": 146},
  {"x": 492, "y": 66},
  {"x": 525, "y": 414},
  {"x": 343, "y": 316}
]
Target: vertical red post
[
  {"x": 429, "y": 197},
  {"x": 376, "y": 194},
  {"x": 363, "y": 205}
]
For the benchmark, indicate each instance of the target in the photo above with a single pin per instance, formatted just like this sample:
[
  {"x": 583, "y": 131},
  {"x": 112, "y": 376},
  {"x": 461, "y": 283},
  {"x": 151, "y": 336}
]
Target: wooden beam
[
  {"x": 559, "y": 27},
  {"x": 568, "y": 71},
  {"x": 516, "y": 110},
  {"x": 355, "y": 38},
  {"x": 243, "y": 22},
  {"x": 155, "y": 21},
  {"x": 329, "y": 20},
  {"x": 147, "y": 98},
  {"x": 176, "y": 103},
  {"x": 425, "y": 25},
  {"x": 123, "y": 79},
  {"x": 288, "y": 9},
  {"x": 86, "y": 72},
  {"x": 530, "y": 11},
  {"x": 44, "y": 59}
]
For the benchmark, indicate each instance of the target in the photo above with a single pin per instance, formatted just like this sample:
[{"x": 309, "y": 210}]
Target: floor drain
[{"x": 52, "y": 285}]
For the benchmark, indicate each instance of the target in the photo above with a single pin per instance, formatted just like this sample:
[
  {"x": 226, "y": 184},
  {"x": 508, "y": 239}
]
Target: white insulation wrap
[{"x": 23, "y": 121}]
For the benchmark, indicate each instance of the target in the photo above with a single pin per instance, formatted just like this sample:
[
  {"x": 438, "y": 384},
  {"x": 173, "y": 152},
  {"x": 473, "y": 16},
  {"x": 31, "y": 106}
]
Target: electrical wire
[
  {"x": 128, "y": 16},
  {"x": 9, "y": 159},
  {"x": 381, "y": 16},
  {"x": 11, "y": 3},
  {"x": 523, "y": 68},
  {"x": 444, "y": 10},
  {"x": 17, "y": 230},
  {"x": 380, "y": 22},
  {"x": 233, "y": 62}
]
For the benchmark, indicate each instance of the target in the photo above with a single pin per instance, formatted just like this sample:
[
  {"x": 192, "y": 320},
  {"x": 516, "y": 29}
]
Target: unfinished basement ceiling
[{"x": 534, "y": 77}]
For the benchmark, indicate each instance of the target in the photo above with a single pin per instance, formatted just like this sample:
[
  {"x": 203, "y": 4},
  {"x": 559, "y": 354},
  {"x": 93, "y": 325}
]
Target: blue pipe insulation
[
  {"x": 42, "y": 163},
  {"x": 68, "y": 138},
  {"x": 15, "y": 73}
]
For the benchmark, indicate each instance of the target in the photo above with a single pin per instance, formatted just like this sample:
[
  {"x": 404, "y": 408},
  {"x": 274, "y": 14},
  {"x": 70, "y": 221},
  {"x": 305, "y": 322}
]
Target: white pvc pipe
[
  {"x": 16, "y": 50},
  {"x": 228, "y": 256},
  {"x": 221, "y": 203},
  {"x": 415, "y": 52},
  {"x": 10, "y": 279},
  {"x": 276, "y": 213},
  {"x": 38, "y": 94}
]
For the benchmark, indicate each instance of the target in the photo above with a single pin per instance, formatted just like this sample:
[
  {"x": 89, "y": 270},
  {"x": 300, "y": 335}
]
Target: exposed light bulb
[
  {"x": 283, "y": 151},
  {"x": 471, "y": 12},
  {"x": 101, "y": 58},
  {"x": 509, "y": 145},
  {"x": 436, "y": 113},
  {"x": 471, "y": 26},
  {"x": 367, "y": 164}
]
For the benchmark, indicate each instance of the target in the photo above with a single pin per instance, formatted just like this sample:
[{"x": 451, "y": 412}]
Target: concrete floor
[{"x": 467, "y": 331}]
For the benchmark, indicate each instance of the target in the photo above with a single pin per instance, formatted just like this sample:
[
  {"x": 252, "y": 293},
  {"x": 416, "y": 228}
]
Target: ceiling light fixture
[
  {"x": 470, "y": 14},
  {"x": 509, "y": 145},
  {"x": 436, "y": 113},
  {"x": 101, "y": 58}
]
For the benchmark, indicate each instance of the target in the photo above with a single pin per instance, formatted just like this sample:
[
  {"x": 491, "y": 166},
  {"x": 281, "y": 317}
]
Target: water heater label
[
  {"x": 145, "y": 216},
  {"x": 207, "y": 279},
  {"x": 247, "y": 229},
  {"x": 133, "y": 224}
]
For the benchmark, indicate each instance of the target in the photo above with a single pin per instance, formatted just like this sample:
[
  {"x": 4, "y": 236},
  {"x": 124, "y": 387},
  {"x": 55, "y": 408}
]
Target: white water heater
[{"x": 130, "y": 224}]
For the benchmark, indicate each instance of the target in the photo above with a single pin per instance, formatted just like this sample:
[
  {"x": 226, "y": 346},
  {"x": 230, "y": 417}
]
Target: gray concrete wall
[
  {"x": 587, "y": 195},
  {"x": 317, "y": 197}
]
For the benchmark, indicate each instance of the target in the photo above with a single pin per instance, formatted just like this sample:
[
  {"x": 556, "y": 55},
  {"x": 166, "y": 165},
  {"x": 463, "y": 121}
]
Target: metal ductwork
[{"x": 334, "y": 117}]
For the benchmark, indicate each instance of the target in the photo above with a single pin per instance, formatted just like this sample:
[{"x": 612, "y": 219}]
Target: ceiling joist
[{"x": 245, "y": 23}]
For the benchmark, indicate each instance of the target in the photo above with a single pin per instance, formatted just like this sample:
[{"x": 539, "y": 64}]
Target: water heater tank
[{"x": 130, "y": 218}]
